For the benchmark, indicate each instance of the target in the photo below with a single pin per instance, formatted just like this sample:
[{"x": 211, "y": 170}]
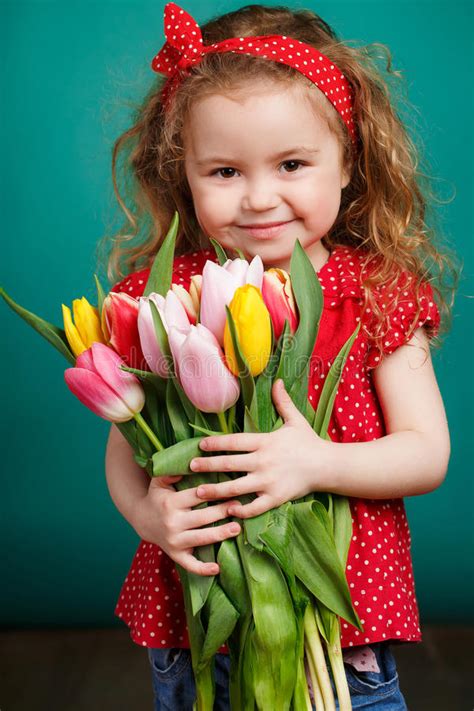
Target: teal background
[{"x": 71, "y": 71}]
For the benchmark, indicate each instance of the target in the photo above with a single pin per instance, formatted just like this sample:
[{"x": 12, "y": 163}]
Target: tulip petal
[
  {"x": 72, "y": 334},
  {"x": 91, "y": 390},
  {"x": 255, "y": 272},
  {"x": 186, "y": 301},
  {"x": 86, "y": 318},
  {"x": 121, "y": 317},
  {"x": 146, "y": 328},
  {"x": 203, "y": 374},
  {"x": 218, "y": 288},
  {"x": 125, "y": 385},
  {"x": 175, "y": 313}
]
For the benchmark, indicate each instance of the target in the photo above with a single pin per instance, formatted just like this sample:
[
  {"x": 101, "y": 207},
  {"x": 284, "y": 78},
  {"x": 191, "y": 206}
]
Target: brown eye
[
  {"x": 220, "y": 172},
  {"x": 292, "y": 163}
]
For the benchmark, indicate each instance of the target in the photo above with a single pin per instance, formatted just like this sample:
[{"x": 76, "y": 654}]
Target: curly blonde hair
[{"x": 383, "y": 209}]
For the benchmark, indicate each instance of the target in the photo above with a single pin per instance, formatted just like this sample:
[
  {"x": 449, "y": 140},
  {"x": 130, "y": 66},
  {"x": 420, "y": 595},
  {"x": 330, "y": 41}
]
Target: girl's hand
[
  {"x": 165, "y": 517},
  {"x": 282, "y": 465}
]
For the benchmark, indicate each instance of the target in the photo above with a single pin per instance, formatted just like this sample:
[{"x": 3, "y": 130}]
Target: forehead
[{"x": 260, "y": 118}]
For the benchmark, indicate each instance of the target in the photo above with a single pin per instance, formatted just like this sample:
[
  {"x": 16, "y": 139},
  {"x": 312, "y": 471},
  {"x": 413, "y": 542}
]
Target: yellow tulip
[
  {"x": 253, "y": 326},
  {"x": 85, "y": 329}
]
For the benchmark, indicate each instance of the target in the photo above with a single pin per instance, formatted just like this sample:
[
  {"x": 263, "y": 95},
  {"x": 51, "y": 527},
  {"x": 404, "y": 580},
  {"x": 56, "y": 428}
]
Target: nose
[{"x": 260, "y": 195}]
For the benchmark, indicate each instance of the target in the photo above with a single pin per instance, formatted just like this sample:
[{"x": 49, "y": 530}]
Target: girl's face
[{"x": 265, "y": 158}]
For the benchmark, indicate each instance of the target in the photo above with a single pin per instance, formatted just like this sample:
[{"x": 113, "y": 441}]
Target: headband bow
[{"x": 184, "y": 47}]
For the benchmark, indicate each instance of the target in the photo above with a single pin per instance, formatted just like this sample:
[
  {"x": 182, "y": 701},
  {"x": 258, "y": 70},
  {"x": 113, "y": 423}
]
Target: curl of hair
[{"x": 383, "y": 209}]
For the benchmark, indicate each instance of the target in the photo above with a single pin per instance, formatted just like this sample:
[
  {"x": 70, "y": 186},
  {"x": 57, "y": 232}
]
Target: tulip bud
[
  {"x": 99, "y": 383},
  {"x": 253, "y": 327},
  {"x": 201, "y": 369},
  {"x": 195, "y": 291},
  {"x": 119, "y": 319},
  {"x": 85, "y": 330},
  {"x": 279, "y": 299},
  {"x": 218, "y": 288},
  {"x": 172, "y": 313},
  {"x": 187, "y": 302}
]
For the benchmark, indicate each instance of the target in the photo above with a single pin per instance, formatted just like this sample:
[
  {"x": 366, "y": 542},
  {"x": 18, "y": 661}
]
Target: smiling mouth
[
  {"x": 265, "y": 231},
  {"x": 264, "y": 225}
]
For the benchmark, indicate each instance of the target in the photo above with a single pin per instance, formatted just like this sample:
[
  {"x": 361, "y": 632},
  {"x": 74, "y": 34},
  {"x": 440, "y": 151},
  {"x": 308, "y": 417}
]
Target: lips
[
  {"x": 265, "y": 231},
  {"x": 263, "y": 225}
]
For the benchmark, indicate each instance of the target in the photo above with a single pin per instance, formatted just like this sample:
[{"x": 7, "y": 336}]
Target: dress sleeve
[{"x": 410, "y": 313}]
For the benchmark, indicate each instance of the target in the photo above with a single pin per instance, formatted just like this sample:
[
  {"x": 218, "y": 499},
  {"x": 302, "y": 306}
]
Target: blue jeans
[{"x": 174, "y": 689}]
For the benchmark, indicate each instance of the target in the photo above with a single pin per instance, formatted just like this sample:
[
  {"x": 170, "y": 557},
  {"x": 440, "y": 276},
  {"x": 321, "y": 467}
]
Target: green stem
[
  {"x": 338, "y": 671},
  {"x": 223, "y": 422},
  {"x": 315, "y": 648},
  {"x": 318, "y": 698},
  {"x": 148, "y": 431}
]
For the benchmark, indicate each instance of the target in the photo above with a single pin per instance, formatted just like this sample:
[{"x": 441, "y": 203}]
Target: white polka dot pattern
[
  {"x": 379, "y": 567},
  {"x": 184, "y": 47}
]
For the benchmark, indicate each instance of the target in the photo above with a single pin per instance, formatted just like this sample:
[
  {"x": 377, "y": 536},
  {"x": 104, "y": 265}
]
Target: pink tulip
[
  {"x": 279, "y": 299},
  {"x": 119, "y": 323},
  {"x": 219, "y": 285},
  {"x": 103, "y": 387},
  {"x": 172, "y": 313},
  {"x": 186, "y": 301},
  {"x": 201, "y": 369}
]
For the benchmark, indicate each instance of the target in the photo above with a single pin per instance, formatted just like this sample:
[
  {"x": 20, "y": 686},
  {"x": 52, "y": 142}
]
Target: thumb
[{"x": 283, "y": 402}]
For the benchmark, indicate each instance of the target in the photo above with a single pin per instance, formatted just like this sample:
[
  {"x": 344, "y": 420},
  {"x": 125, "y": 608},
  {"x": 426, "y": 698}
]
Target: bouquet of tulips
[{"x": 173, "y": 366}]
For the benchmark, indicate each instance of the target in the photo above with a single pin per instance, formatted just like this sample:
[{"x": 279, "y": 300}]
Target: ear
[{"x": 346, "y": 175}]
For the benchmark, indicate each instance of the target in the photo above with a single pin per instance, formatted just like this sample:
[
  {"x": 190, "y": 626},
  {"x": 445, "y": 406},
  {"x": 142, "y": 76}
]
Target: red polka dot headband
[{"x": 184, "y": 47}]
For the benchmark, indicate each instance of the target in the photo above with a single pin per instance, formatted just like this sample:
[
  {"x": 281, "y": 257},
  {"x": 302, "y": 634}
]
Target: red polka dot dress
[{"x": 379, "y": 566}]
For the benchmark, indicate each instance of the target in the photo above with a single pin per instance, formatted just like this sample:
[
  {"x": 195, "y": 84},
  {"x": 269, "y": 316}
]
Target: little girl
[{"x": 267, "y": 129}]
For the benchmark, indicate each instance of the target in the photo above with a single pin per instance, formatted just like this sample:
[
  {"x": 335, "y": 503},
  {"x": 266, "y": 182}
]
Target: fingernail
[
  {"x": 203, "y": 444},
  {"x": 194, "y": 464},
  {"x": 200, "y": 491}
]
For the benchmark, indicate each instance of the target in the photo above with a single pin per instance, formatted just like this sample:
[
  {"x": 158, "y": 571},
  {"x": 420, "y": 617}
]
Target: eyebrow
[{"x": 278, "y": 156}]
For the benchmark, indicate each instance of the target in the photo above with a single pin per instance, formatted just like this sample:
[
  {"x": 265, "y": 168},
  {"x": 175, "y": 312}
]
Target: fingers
[
  {"x": 238, "y": 442},
  {"x": 214, "y": 534},
  {"x": 229, "y": 489},
  {"x": 197, "y": 518},
  {"x": 224, "y": 463},
  {"x": 193, "y": 565},
  {"x": 255, "y": 508}
]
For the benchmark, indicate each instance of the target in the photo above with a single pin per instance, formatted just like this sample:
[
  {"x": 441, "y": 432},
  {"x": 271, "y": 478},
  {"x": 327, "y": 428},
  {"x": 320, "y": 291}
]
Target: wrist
[{"x": 327, "y": 468}]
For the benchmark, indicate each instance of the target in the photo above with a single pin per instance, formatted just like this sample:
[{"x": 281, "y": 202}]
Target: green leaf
[
  {"x": 329, "y": 391},
  {"x": 200, "y": 585},
  {"x": 161, "y": 272},
  {"x": 309, "y": 298},
  {"x": 219, "y": 250},
  {"x": 175, "y": 460},
  {"x": 316, "y": 560},
  {"x": 54, "y": 335},
  {"x": 176, "y": 413},
  {"x": 204, "y": 430},
  {"x": 231, "y": 575},
  {"x": 146, "y": 376},
  {"x": 162, "y": 338},
  {"x": 342, "y": 526},
  {"x": 221, "y": 619},
  {"x": 100, "y": 295}
]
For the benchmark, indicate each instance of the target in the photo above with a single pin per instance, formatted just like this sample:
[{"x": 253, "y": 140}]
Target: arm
[
  {"x": 413, "y": 457},
  {"x": 127, "y": 482},
  {"x": 160, "y": 514}
]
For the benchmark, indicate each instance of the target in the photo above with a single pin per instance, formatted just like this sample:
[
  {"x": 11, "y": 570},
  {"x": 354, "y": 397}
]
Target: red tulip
[
  {"x": 279, "y": 300},
  {"x": 99, "y": 383},
  {"x": 119, "y": 324}
]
